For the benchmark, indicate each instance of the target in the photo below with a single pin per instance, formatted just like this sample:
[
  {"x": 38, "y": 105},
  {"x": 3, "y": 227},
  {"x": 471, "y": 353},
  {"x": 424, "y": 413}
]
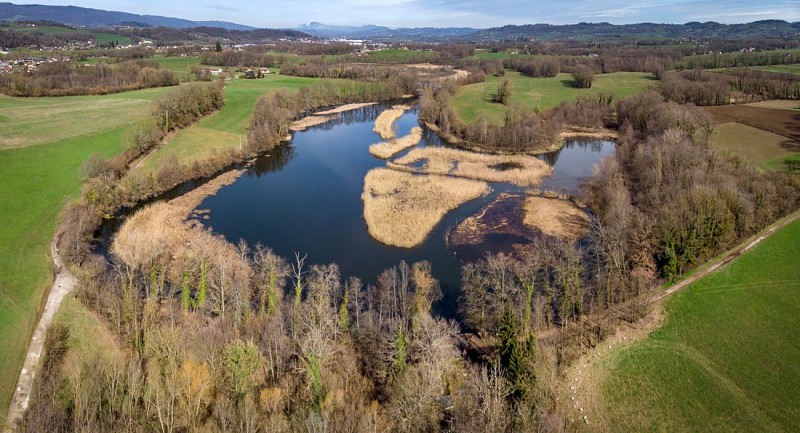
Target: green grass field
[
  {"x": 180, "y": 66},
  {"x": 762, "y": 147},
  {"x": 45, "y": 30},
  {"x": 726, "y": 359},
  {"x": 52, "y": 137},
  {"x": 99, "y": 37},
  {"x": 474, "y": 101},
  {"x": 30, "y": 121},
  {"x": 227, "y": 127}
]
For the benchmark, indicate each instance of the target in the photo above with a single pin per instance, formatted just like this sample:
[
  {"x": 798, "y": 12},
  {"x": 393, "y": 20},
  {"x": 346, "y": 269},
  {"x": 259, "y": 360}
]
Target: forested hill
[
  {"x": 642, "y": 31},
  {"x": 88, "y": 17}
]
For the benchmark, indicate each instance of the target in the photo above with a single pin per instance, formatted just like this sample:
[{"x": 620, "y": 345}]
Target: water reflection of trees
[
  {"x": 275, "y": 160},
  {"x": 594, "y": 145},
  {"x": 359, "y": 115}
]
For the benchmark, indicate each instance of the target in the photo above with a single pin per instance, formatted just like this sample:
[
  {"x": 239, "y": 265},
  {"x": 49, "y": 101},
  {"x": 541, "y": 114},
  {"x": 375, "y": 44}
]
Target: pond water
[{"x": 306, "y": 197}]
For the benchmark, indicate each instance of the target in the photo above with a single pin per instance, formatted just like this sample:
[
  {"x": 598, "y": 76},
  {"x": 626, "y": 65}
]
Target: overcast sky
[{"x": 452, "y": 13}]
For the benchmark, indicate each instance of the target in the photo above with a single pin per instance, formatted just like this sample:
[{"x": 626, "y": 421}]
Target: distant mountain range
[
  {"x": 79, "y": 16},
  {"x": 385, "y": 33},
  {"x": 693, "y": 30}
]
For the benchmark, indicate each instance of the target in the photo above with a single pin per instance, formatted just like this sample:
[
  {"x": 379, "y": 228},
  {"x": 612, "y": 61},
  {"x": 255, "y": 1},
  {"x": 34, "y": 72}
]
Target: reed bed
[
  {"x": 402, "y": 208},
  {"x": 343, "y": 108},
  {"x": 309, "y": 121},
  {"x": 554, "y": 217},
  {"x": 385, "y": 121},
  {"x": 387, "y": 149},
  {"x": 523, "y": 170}
]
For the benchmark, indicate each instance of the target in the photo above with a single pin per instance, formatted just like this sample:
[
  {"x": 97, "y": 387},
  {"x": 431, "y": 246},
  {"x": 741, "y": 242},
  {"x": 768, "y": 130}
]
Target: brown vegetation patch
[
  {"x": 556, "y": 218},
  {"x": 781, "y": 122},
  {"x": 385, "y": 121},
  {"x": 386, "y": 149},
  {"x": 522, "y": 170},
  {"x": 578, "y": 132},
  {"x": 502, "y": 218},
  {"x": 778, "y": 104},
  {"x": 343, "y": 108},
  {"x": 402, "y": 208},
  {"x": 309, "y": 121},
  {"x": 163, "y": 224}
]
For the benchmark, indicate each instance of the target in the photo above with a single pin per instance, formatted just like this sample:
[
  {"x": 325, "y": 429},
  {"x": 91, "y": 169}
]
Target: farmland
[
  {"x": 475, "y": 100},
  {"x": 37, "y": 180},
  {"x": 726, "y": 358},
  {"x": 765, "y": 133},
  {"x": 32, "y": 121},
  {"x": 753, "y": 144},
  {"x": 44, "y": 142}
]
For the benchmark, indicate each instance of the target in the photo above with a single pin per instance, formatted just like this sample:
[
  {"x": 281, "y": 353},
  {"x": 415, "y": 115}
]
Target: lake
[{"x": 306, "y": 197}]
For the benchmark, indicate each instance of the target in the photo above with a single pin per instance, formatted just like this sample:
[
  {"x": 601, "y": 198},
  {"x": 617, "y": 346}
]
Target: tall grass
[
  {"x": 386, "y": 149},
  {"x": 385, "y": 121},
  {"x": 524, "y": 170},
  {"x": 555, "y": 217},
  {"x": 402, "y": 208}
]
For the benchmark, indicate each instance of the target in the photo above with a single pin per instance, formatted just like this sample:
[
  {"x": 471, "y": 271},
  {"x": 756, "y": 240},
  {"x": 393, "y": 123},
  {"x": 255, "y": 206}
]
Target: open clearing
[
  {"x": 555, "y": 217},
  {"x": 726, "y": 359},
  {"x": 402, "y": 208},
  {"x": 524, "y": 170},
  {"x": 29, "y": 121},
  {"x": 475, "y": 100}
]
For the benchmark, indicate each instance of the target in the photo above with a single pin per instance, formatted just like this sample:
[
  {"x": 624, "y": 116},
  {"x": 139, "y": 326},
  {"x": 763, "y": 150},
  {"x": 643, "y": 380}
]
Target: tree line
[
  {"x": 64, "y": 79},
  {"x": 275, "y": 112},
  {"x": 721, "y": 88}
]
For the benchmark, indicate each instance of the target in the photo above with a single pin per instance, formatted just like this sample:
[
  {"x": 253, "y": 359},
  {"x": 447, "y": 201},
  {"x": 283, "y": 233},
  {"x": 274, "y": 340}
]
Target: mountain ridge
[{"x": 90, "y": 17}]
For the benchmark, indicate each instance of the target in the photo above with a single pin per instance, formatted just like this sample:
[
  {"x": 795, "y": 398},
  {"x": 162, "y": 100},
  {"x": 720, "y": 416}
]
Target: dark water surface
[{"x": 306, "y": 197}]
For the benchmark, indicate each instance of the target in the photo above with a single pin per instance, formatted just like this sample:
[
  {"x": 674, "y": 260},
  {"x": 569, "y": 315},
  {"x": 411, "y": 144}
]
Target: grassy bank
[
  {"x": 726, "y": 359},
  {"x": 475, "y": 100},
  {"x": 227, "y": 127}
]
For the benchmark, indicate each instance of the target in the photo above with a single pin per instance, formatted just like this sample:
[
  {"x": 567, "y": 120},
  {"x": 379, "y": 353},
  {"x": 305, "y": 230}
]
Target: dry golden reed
[
  {"x": 402, "y": 208},
  {"x": 523, "y": 170},
  {"x": 386, "y": 149}
]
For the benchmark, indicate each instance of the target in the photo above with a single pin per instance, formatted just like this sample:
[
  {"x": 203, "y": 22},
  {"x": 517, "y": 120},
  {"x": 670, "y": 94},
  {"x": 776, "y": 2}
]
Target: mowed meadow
[
  {"x": 726, "y": 359},
  {"x": 474, "y": 101},
  {"x": 43, "y": 144}
]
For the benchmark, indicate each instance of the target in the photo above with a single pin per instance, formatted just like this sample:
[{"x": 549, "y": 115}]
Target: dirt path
[
  {"x": 580, "y": 387},
  {"x": 63, "y": 284}
]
